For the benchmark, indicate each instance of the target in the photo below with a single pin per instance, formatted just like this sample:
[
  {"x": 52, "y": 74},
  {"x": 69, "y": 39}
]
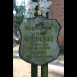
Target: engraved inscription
[{"x": 39, "y": 40}]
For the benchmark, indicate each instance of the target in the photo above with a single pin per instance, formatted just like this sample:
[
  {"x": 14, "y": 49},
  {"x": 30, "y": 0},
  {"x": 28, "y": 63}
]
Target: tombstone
[{"x": 39, "y": 40}]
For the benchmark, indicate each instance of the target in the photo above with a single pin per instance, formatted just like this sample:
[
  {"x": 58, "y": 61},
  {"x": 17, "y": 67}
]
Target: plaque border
[{"x": 21, "y": 39}]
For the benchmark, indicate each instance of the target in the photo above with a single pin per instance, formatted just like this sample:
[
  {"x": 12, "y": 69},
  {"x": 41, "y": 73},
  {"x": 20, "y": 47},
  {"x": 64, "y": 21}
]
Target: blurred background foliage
[{"x": 18, "y": 14}]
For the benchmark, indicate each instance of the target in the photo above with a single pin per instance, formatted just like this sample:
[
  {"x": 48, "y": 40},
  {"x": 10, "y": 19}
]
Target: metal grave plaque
[{"x": 39, "y": 40}]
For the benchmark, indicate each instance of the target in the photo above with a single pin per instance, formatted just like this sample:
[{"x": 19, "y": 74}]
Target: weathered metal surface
[
  {"x": 39, "y": 40},
  {"x": 34, "y": 70},
  {"x": 44, "y": 70}
]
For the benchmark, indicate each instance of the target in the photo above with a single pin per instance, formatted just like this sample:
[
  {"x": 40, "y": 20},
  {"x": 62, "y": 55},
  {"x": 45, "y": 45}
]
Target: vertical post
[
  {"x": 47, "y": 13},
  {"x": 34, "y": 72},
  {"x": 44, "y": 70},
  {"x": 36, "y": 14}
]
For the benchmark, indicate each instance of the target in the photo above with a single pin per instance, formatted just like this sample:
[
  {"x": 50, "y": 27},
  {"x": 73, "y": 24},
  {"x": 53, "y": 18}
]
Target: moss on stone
[{"x": 39, "y": 43}]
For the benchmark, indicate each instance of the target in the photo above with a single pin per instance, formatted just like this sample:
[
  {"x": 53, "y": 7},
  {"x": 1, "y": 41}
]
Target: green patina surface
[{"x": 39, "y": 40}]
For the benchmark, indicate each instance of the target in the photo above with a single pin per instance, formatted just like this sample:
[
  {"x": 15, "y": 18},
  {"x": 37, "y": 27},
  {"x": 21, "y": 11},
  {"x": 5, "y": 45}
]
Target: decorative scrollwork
[
  {"x": 44, "y": 5},
  {"x": 31, "y": 8}
]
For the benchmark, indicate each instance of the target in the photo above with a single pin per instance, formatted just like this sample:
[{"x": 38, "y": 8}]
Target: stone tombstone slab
[{"x": 39, "y": 40}]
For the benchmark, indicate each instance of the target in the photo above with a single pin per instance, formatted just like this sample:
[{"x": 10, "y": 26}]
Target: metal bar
[
  {"x": 36, "y": 14},
  {"x": 44, "y": 70},
  {"x": 47, "y": 14},
  {"x": 34, "y": 72},
  {"x": 34, "y": 67}
]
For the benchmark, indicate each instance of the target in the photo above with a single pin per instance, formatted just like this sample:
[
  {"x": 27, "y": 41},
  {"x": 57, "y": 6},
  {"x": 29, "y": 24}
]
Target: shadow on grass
[
  {"x": 16, "y": 57},
  {"x": 15, "y": 52},
  {"x": 58, "y": 64},
  {"x": 56, "y": 74}
]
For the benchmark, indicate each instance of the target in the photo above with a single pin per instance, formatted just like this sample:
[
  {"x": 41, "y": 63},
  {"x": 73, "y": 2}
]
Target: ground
[{"x": 23, "y": 69}]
